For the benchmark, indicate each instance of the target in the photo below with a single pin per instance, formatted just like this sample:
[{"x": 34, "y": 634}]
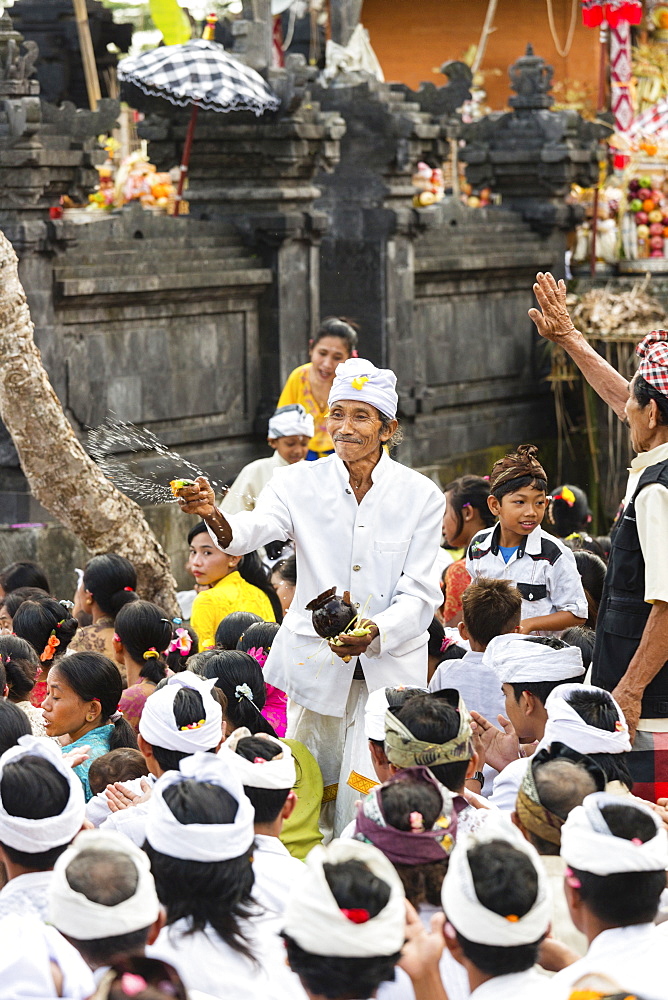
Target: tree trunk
[{"x": 60, "y": 474}]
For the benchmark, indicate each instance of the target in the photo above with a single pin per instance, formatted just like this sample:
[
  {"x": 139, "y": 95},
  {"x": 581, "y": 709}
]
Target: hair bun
[{"x": 518, "y": 464}]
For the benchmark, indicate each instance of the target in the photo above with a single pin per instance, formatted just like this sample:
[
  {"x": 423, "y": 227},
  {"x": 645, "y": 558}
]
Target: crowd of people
[{"x": 459, "y": 794}]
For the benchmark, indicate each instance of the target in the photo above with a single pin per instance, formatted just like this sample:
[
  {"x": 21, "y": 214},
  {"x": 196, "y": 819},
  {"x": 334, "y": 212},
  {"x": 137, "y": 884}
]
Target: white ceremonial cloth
[
  {"x": 157, "y": 724},
  {"x": 517, "y": 986},
  {"x": 130, "y": 822},
  {"x": 275, "y": 774},
  {"x": 565, "y": 725},
  {"x": 359, "y": 379},
  {"x": 97, "y": 808},
  {"x": 290, "y": 421},
  {"x": 276, "y": 873},
  {"x": 634, "y": 957},
  {"x": 26, "y": 895},
  {"x": 246, "y": 488},
  {"x": 381, "y": 550},
  {"x": 27, "y": 948},
  {"x": 588, "y": 845},
  {"x": 516, "y": 658}
]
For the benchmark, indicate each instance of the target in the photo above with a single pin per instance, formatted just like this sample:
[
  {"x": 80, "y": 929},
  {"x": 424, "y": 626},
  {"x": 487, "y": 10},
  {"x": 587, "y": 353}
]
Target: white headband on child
[
  {"x": 376, "y": 707},
  {"x": 517, "y": 659},
  {"x": 81, "y": 918},
  {"x": 314, "y": 919},
  {"x": 589, "y": 845},
  {"x": 290, "y": 421},
  {"x": 361, "y": 381},
  {"x": 467, "y": 914},
  {"x": 33, "y": 836},
  {"x": 158, "y": 726},
  {"x": 564, "y": 725},
  {"x": 200, "y": 841},
  {"x": 278, "y": 773}
]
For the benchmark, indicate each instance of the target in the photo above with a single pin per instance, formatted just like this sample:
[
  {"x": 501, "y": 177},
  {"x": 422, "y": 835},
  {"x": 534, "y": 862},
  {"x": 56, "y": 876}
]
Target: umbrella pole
[{"x": 185, "y": 158}]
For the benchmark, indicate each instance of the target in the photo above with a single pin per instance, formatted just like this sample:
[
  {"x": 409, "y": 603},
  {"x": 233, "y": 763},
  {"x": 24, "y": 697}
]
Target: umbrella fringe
[{"x": 242, "y": 103}]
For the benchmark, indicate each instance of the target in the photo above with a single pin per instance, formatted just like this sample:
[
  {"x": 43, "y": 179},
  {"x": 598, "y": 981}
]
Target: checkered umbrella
[{"x": 198, "y": 72}]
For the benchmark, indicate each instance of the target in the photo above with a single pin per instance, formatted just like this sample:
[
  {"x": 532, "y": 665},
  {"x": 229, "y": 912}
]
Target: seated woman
[
  {"x": 109, "y": 582},
  {"x": 310, "y": 384},
  {"x": 230, "y": 588},
  {"x": 83, "y": 692}
]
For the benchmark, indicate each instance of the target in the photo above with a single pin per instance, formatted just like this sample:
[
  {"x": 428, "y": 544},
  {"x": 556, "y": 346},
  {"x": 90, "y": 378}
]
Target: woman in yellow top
[
  {"x": 228, "y": 590},
  {"x": 335, "y": 342}
]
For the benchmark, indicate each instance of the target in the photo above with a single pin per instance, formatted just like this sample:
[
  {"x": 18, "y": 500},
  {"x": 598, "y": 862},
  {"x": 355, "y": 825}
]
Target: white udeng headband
[
  {"x": 375, "y": 709},
  {"x": 464, "y": 910},
  {"x": 157, "y": 724},
  {"x": 588, "y": 844},
  {"x": 290, "y": 421},
  {"x": 516, "y": 658},
  {"x": 277, "y": 774},
  {"x": 33, "y": 836},
  {"x": 316, "y": 922},
  {"x": 564, "y": 725},
  {"x": 200, "y": 841},
  {"x": 80, "y": 918},
  {"x": 359, "y": 380}
]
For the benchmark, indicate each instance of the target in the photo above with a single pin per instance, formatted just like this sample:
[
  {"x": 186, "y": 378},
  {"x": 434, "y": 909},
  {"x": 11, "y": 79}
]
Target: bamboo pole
[
  {"x": 87, "y": 54},
  {"x": 487, "y": 30}
]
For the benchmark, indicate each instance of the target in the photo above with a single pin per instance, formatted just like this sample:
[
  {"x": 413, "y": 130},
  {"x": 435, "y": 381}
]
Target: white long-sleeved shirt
[
  {"x": 276, "y": 872},
  {"x": 633, "y": 957},
  {"x": 382, "y": 550},
  {"x": 543, "y": 569}
]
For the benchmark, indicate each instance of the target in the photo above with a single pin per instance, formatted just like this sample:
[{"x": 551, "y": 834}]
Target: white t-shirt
[{"x": 634, "y": 957}]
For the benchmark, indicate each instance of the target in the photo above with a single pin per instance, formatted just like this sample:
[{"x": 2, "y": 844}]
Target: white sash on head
[
  {"x": 464, "y": 910},
  {"x": 314, "y": 919},
  {"x": 277, "y": 774},
  {"x": 564, "y": 725},
  {"x": 588, "y": 844},
  {"x": 200, "y": 841},
  {"x": 34, "y": 836},
  {"x": 158, "y": 726},
  {"x": 73, "y": 914},
  {"x": 375, "y": 709},
  {"x": 516, "y": 659}
]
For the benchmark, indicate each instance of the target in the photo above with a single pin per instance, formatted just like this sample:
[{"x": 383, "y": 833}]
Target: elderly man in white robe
[{"x": 361, "y": 523}]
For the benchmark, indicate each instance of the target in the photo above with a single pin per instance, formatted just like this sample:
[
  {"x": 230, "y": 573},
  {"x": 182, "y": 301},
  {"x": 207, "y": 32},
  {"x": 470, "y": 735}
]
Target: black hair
[
  {"x": 582, "y": 542},
  {"x": 353, "y": 886},
  {"x": 433, "y": 719},
  {"x": 541, "y": 689},
  {"x": 592, "y": 570},
  {"x": 12, "y": 602},
  {"x": 123, "y": 764},
  {"x": 469, "y": 491},
  {"x": 19, "y": 666},
  {"x": 93, "y": 677},
  {"x": 287, "y": 570},
  {"x": 644, "y": 392},
  {"x": 112, "y": 580},
  {"x": 31, "y": 787},
  {"x": 338, "y": 326},
  {"x": 175, "y": 661},
  {"x": 233, "y": 672},
  {"x": 215, "y": 893},
  {"x": 521, "y": 483},
  {"x": 490, "y": 607},
  {"x": 233, "y": 627},
  {"x": 435, "y": 644},
  {"x": 597, "y": 709},
  {"x": 569, "y": 518},
  {"x": 505, "y": 882},
  {"x": 624, "y": 898},
  {"x": 199, "y": 529},
  {"x": 143, "y": 628},
  {"x": 584, "y": 638},
  {"x": 187, "y": 707},
  {"x": 14, "y": 724},
  {"x": 23, "y": 574},
  {"x": 37, "y": 620},
  {"x": 267, "y": 802},
  {"x": 254, "y": 572},
  {"x": 162, "y": 981},
  {"x": 422, "y": 883},
  {"x": 604, "y": 542},
  {"x": 258, "y": 635}
]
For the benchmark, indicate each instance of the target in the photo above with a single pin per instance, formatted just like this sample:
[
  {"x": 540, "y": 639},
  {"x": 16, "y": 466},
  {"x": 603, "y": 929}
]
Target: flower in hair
[
  {"x": 512, "y": 918},
  {"x": 356, "y": 916},
  {"x": 151, "y": 654},
  {"x": 117, "y": 637},
  {"x": 566, "y": 495},
  {"x": 49, "y": 650},
  {"x": 416, "y": 820},
  {"x": 243, "y": 691},
  {"x": 130, "y": 590},
  {"x": 192, "y": 725},
  {"x": 446, "y": 643},
  {"x": 358, "y": 382},
  {"x": 258, "y": 653},
  {"x": 61, "y": 622},
  {"x": 132, "y": 984},
  {"x": 181, "y": 643}
]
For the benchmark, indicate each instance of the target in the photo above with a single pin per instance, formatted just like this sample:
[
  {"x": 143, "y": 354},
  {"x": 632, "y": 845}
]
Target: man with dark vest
[{"x": 631, "y": 653}]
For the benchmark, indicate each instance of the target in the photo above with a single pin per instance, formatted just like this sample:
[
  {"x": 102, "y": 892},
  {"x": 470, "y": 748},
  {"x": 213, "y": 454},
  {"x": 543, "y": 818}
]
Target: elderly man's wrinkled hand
[
  {"x": 197, "y": 499},
  {"x": 348, "y": 645},
  {"x": 552, "y": 318}
]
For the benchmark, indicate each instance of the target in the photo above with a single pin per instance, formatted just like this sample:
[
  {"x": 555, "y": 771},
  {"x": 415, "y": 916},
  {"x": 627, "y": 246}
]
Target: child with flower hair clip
[
  {"x": 141, "y": 638},
  {"x": 257, "y": 640}
]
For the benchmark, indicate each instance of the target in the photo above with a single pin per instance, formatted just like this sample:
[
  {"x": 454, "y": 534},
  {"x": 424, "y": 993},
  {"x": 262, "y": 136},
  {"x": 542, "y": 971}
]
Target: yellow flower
[{"x": 358, "y": 382}]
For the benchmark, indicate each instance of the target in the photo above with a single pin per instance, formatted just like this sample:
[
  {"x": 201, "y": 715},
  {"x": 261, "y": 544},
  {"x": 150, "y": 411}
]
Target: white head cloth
[
  {"x": 290, "y": 421},
  {"x": 158, "y": 726},
  {"x": 564, "y": 725},
  {"x": 515, "y": 658},
  {"x": 464, "y": 910},
  {"x": 78, "y": 917},
  {"x": 200, "y": 841},
  {"x": 375, "y": 709},
  {"x": 588, "y": 844},
  {"x": 37, "y": 835},
  {"x": 278, "y": 773},
  {"x": 316, "y": 922},
  {"x": 360, "y": 380}
]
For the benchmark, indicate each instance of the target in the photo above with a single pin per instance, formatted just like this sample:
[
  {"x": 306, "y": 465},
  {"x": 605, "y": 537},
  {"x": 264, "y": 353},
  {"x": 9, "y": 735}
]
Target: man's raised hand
[{"x": 552, "y": 319}]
